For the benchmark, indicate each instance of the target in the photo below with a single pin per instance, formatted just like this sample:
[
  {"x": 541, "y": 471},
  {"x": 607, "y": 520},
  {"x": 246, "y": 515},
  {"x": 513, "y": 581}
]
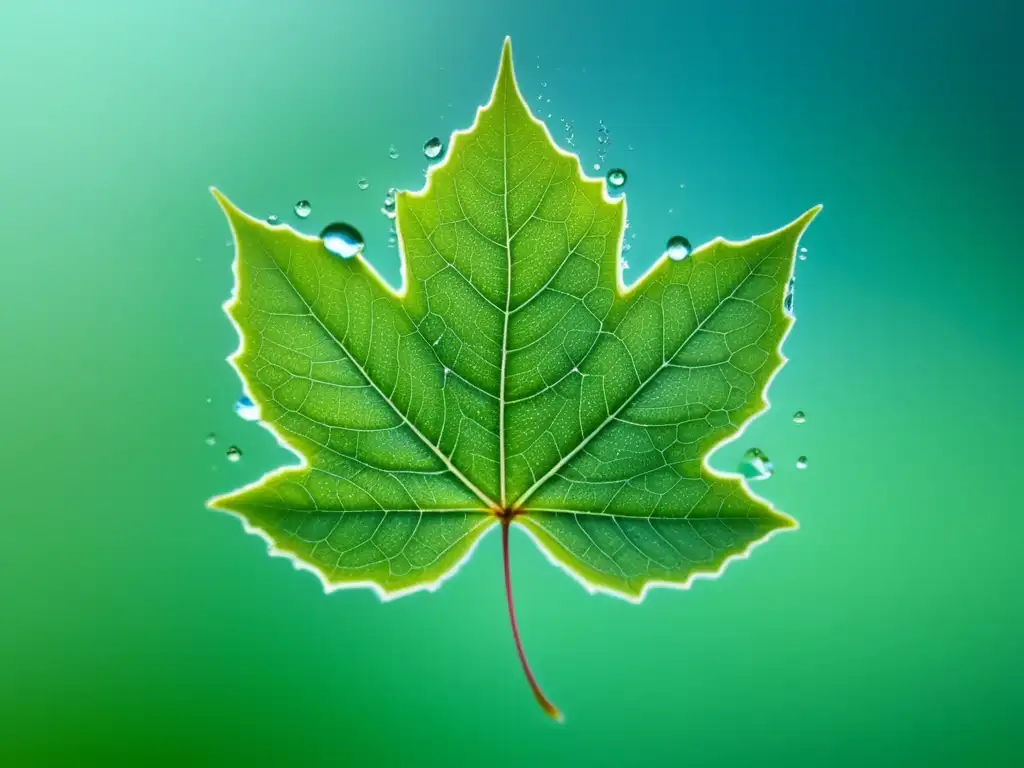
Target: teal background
[{"x": 140, "y": 628}]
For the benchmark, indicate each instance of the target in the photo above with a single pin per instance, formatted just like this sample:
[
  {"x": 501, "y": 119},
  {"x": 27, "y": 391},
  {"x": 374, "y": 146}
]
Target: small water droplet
[
  {"x": 802, "y": 249},
  {"x": 363, "y": 184},
  {"x": 247, "y": 409},
  {"x": 271, "y": 219},
  {"x": 342, "y": 239},
  {"x": 234, "y": 454},
  {"x": 209, "y": 400},
  {"x": 627, "y": 247},
  {"x": 303, "y": 209},
  {"x": 803, "y": 257},
  {"x": 392, "y": 152},
  {"x": 597, "y": 166},
  {"x": 799, "y": 417},
  {"x": 624, "y": 263},
  {"x": 677, "y": 248},
  {"x": 801, "y": 463},
  {"x": 787, "y": 302},
  {"x": 210, "y": 439},
  {"x": 616, "y": 177},
  {"x": 543, "y": 83},
  {"x": 432, "y": 148},
  {"x": 629, "y": 147}
]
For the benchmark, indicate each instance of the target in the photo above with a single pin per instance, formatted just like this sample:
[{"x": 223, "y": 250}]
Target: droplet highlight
[{"x": 342, "y": 239}]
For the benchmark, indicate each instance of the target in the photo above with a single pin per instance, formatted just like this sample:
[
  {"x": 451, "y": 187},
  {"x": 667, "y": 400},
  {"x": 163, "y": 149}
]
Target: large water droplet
[
  {"x": 303, "y": 209},
  {"x": 677, "y": 248},
  {"x": 363, "y": 184},
  {"x": 801, "y": 463},
  {"x": 616, "y": 177},
  {"x": 756, "y": 465},
  {"x": 799, "y": 417},
  {"x": 210, "y": 439},
  {"x": 432, "y": 148},
  {"x": 234, "y": 454},
  {"x": 247, "y": 409},
  {"x": 342, "y": 239}
]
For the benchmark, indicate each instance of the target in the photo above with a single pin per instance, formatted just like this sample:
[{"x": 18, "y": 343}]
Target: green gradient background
[{"x": 139, "y": 627}]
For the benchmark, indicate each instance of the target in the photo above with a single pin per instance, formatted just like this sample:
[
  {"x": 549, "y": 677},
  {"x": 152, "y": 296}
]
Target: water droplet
[
  {"x": 597, "y": 166},
  {"x": 799, "y": 417},
  {"x": 432, "y": 148},
  {"x": 392, "y": 152},
  {"x": 247, "y": 409},
  {"x": 616, "y": 177},
  {"x": 756, "y": 465},
  {"x": 627, "y": 247},
  {"x": 678, "y": 248},
  {"x": 271, "y": 219},
  {"x": 342, "y": 239},
  {"x": 234, "y": 454},
  {"x": 210, "y": 439},
  {"x": 363, "y": 184},
  {"x": 209, "y": 400},
  {"x": 803, "y": 257},
  {"x": 629, "y": 147},
  {"x": 787, "y": 302},
  {"x": 802, "y": 249},
  {"x": 543, "y": 84},
  {"x": 303, "y": 209},
  {"x": 624, "y": 263},
  {"x": 801, "y": 463}
]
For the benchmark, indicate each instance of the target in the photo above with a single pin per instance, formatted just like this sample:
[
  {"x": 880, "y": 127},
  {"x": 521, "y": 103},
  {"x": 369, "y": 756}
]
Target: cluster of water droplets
[
  {"x": 757, "y": 466},
  {"x": 604, "y": 140}
]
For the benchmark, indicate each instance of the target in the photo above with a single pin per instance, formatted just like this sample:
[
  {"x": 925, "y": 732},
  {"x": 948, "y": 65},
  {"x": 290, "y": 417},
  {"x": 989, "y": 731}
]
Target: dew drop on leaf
[
  {"x": 787, "y": 302},
  {"x": 247, "y": 409},
  {"x": 799, "y": 417},
  {"x": 801, "y": 463},
  {"x": 677, "y": 248},
  {"x": 303, "y": 209},
  {"x": 756, "y": 465},
  {"x": 234, "y": 454},
  {"x": 342, "y": 239},
  {"x": 616, "y": 177},
  {"x": 271, "y": 219},
  {"x": 432, "y": 148}
]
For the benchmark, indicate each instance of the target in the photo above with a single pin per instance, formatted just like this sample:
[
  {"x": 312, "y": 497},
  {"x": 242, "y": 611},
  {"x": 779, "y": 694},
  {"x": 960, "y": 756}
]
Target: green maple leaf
[{"x": 512, "y": 380}]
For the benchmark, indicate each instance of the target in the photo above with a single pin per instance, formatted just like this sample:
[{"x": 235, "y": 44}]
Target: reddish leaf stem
[{"x": 545, "y": 704}]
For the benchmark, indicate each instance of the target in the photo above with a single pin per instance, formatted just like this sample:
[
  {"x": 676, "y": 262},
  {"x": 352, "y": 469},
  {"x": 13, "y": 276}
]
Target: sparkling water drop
[
  {"x": 271, "y": 219},
  {"x": 363, "y": 184},
  {"x": 247, "y": 409},
  {"x": 677, "y": 248},
  {"x": 802, "y": 249},
  {"x": 234, "y": 454},
  {"x": 303, "y": 209},
  {"x": 799, "y": 417},
  {"x": 342, "y": 239},
  {"x": 432, "y": 148},
  {"x": 801, "y": 463},
  {"x": 210, "y": 439},
  {"x": 803, "y": 257},
  {"x": 392, "y": 152},
  {"x": 597, "y": 166},
  {"x": 616, "y": 177}
]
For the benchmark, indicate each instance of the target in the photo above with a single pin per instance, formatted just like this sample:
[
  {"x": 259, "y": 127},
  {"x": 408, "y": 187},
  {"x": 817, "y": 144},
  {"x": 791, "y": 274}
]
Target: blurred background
[{"x": 140, "y": 628}]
